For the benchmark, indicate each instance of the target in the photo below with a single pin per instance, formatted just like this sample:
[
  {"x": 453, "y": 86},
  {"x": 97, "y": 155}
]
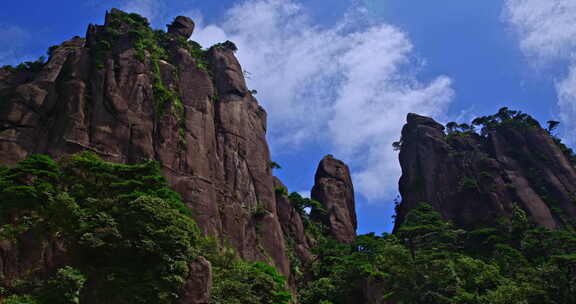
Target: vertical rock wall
[
  {"x": 475, "y": 179},
  {"x": 333, "y": 188},
  {"x": 106, "y": 95}
]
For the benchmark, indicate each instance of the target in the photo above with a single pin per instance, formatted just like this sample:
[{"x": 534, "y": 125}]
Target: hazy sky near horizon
[{"x": 338, "y": 77}]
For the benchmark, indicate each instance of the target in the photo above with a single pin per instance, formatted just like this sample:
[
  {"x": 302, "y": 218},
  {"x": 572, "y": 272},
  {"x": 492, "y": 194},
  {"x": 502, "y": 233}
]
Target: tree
[
  {"x": 451, "y": 126},
  {"x": 552, "y": 125}
]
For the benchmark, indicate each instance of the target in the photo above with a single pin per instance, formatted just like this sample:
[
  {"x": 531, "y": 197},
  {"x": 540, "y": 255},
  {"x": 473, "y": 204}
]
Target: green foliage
[
  {"x": 151, "y": 46},
  {"x": 65, "y": 287},
  {"x": 552, "y": 125},
  {"x": 28, "y": 66},
  {"x": 260, "y": 211},
  {"x": 568, "y": 152},
  {"x": 227, "y": 45},
  {"x": 274, "y": 165},
  {"x": 467, "y": 183},
  {"x": 126, "y": 232},
  {"x": 20, "y": 299},
  {"x": 103, "y": 47},
  {"x": 505, "y": 118},
  {"x": 301, "y": 203},
  {"x": 119, "y": 217},
  {"x": 428, "y": 261},
  {"x": 241, "y": 282},
  {"x": 282, "y": 191}
]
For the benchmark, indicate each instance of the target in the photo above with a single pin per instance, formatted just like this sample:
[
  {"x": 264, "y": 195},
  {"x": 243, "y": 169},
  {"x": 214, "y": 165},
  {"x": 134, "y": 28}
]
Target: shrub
[
  {"x": 251, "y": 283},
  {"x": 468, "y": 183},
  {"x": 65, "y": 287},
  {"x": 119, "y": 217},
  {"x": 274, "y": 165},
  {"x": 227, "y": 45}
]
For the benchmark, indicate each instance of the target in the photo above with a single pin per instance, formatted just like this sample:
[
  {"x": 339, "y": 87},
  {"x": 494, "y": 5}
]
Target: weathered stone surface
[
  {"x": 293, "y": 228},
  {"x": 197, "y": 288},
  {"x": 333, "y": 188},
  {"x": 214, "y": 152},
  {"x": 473, "y": 180},
  {"x": 181, "y": 26},
  {"x": 31, "y": 255}
]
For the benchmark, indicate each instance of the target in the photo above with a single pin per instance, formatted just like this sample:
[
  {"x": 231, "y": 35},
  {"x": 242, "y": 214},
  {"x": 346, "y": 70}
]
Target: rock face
[
  {"x": 475, "y": 179},
  {"x": 333, "y": 188},
  {"x": 182, "y": 26},
  {"x": 197, "y": 288},
  {"x": 130, "y": 96},
  {"x": 29, "y": 252},
  {"x": 297, "y": 240}
]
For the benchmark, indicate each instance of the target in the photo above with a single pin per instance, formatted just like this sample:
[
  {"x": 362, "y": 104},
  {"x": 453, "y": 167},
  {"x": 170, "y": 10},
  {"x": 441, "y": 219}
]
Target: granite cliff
[
  {"x": 333, "y": 187},
  {"x": 129, "y": 97},
  {"x": 135, "y": 146},
  {"x": 129, "y": 94},
  {"x": 474, "y": 179}
]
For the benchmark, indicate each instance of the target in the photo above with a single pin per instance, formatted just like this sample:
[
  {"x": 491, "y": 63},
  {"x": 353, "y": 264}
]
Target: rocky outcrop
[
  {"x": 298, "y": 242},
  {"x": 475, "y": 179},
  {"x": 130, "y": 95},
  {"x": 333, "y": 188},
  {"x": 197, "y": 288},
  {"x": 31, "y": 254},
  {"x": 182, "y": 27}
]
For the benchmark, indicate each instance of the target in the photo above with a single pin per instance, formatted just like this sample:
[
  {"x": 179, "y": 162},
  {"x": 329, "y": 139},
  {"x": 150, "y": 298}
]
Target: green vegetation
[
  {"x": 552, "y": 125},
  {"x": 274, "y": 165},
  {"x": 301, "y": 203},
  {"x": 429, "y": 261},
  {"x": 227, "y": 45},
  {"x": 505, "y": 118},
  {"x": 455, "y": 128},
  {"x": 155, "y": 45},
  {"x": 568, "y": 152},
  {"x": 467, "y": 183},
  {"x": 281, "y": 191},
  {"x": 119, "y": 218},
  {"x": 28, "y": 66},
  {"x": 249, "y": 283}
]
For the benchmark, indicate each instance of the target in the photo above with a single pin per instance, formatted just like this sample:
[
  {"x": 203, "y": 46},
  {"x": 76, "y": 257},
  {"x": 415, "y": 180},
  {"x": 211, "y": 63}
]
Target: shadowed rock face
[
  {"x": 300, "y": 242},
  {"x": 101, "y": 95},
  {"x": 473, "y": 180},
  {"x": 333, "y": 188}
]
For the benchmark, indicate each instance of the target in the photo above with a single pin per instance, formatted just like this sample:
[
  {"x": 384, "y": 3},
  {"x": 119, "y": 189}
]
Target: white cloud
[
  {"x": 151, "y": 9},
  {"x": 304, "y": 193},
  {"x": 349, "y": 86},
  {"x": 546, "y": 30},
  {"x": 567, "y": 102}
]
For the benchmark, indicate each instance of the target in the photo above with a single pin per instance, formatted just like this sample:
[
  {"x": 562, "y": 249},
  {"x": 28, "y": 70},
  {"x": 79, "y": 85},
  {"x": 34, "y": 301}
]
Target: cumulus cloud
[
  {"x": 567, "y": 102},
  {"x": 546, "y": 31},
  {"x": 348, "y": 86},
  {"x": 151, "y": 9},
  {"x": 546, "y": 28}
]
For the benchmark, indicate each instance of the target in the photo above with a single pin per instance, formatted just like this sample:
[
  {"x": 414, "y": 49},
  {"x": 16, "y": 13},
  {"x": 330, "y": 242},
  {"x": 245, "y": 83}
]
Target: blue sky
[{"x": 340, "y": 76}]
